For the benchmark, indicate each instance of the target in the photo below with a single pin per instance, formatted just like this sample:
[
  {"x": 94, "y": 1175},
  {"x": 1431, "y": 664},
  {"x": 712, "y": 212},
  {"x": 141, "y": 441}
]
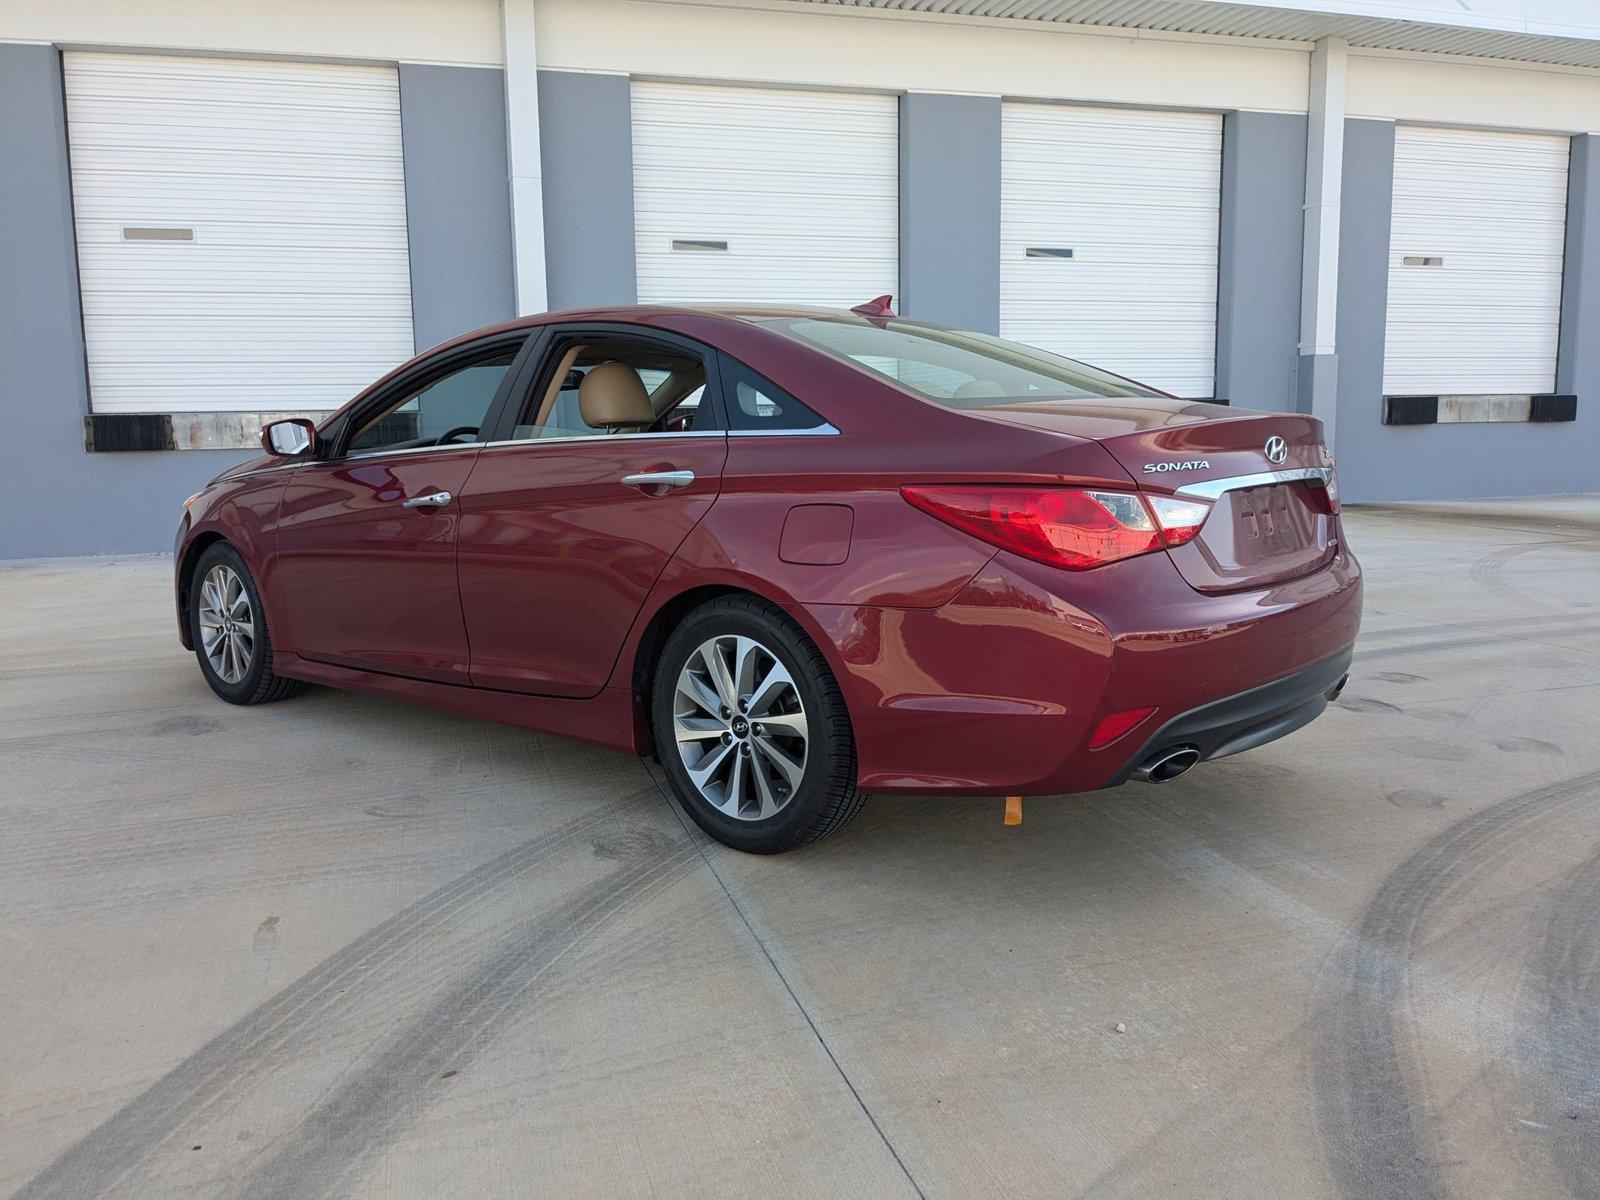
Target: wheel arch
[
  {"x": 190, "y": 558},
  {"x": 678, "y": 604}
]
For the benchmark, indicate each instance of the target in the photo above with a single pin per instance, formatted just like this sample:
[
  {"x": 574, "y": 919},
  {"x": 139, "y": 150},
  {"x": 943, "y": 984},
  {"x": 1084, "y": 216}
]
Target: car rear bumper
[
  {"x": 998, "y": 690},
  {"x": 1246, "y": 720}
]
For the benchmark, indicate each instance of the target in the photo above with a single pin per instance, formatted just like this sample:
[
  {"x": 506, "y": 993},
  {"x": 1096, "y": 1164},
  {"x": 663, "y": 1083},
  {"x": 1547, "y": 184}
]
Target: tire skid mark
[
  {"x": 1370, "y": 1099},
  {"x": 1489, "y": 573},
  {"x": 1547, "y": 626},
  {"x": 1568, "y": 968},
  {"x": 138, "y": 1133},
  {"x": 1512, "y": 641},
  {"x": 332, "y": 1145}
]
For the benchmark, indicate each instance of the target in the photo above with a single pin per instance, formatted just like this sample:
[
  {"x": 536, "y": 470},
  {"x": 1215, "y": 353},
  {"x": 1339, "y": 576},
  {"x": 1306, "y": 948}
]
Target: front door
[
  {"x": 614, "y": 457},
  {"x": 366, "y": 552}
]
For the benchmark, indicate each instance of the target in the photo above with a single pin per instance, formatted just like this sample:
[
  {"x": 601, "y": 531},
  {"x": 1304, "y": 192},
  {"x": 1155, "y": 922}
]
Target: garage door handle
[
  {"x": 431, "y": 500},
  {"x": 666, "y": 479}
]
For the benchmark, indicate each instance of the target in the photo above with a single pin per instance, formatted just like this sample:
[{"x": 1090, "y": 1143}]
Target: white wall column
[
  {"x": 522, "y": 155},
  {"x": 1319, "y": 276}
]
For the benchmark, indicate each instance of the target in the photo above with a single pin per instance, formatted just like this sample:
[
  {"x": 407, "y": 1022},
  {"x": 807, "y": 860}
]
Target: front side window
[
  {"x": 608, "y": 386},
  {"x": 449, "y": 411},
  {"x": 956, "y": 368}
]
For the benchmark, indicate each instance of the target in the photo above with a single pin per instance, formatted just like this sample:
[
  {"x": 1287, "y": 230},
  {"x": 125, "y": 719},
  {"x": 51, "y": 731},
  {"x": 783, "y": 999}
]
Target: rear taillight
[
  {"x": 1179, "y": 519},
  {"x": 1074, "y": 528},
  {"x": 1324, "y": 497}
]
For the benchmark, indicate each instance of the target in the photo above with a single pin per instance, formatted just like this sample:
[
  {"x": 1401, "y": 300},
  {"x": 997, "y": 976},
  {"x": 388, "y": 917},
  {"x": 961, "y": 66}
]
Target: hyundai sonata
[{"x": 797, "y": 555}]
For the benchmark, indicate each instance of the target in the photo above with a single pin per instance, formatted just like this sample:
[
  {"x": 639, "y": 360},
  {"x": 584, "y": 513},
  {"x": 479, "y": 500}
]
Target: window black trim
[{"x": 730, "y": 401}]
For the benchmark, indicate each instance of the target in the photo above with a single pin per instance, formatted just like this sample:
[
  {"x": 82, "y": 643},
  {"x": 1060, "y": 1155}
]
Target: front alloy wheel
[
  {"x": 228, "y": 630},
  {"x": 227, "y": 624},
  {"x": 751, "y": 728}
]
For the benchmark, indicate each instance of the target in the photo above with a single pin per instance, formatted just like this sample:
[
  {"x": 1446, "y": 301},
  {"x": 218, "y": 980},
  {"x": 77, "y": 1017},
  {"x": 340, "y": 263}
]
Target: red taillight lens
[
  {"x": 1115, "y": 725},
  {"x": 1179, "y": 519},
  {"x": 1323, "y": 498},
  {"x": 1074, "y": 528}
]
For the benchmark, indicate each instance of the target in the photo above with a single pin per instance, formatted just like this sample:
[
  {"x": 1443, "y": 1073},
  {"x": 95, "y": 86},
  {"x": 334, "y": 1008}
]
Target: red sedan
[{"x": 798, "y": 555}]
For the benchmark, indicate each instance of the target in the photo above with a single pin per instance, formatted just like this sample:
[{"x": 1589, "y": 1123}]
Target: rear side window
[
  {"x": 954, "y": 367},
  {"x": 755, "y": 403},
  {"x": 671, "y": 386}
]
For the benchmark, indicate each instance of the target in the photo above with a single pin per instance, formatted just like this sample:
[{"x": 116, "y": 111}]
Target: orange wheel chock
[{"x": 1013, "y": 810}]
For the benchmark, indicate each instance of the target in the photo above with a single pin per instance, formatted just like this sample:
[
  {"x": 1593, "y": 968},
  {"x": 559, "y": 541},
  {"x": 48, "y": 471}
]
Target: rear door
[
  {"x": 366, "y": 558},
  {"x": 566, "y": 526}
]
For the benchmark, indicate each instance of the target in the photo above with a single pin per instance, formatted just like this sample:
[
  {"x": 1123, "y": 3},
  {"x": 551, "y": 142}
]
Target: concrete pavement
[{"x": 339, "y": 946}]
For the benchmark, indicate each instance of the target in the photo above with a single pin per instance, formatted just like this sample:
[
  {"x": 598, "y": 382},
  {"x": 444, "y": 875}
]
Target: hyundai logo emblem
[{"x": 1277, "y": 450}]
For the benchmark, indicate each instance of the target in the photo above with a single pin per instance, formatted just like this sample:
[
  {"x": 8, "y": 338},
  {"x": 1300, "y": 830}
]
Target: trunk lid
[{"x": 1256, "y": 535}]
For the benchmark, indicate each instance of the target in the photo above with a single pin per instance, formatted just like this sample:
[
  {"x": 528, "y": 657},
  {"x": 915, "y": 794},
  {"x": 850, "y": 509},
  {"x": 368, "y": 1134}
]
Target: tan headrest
[{"x": 612, "y": 396}]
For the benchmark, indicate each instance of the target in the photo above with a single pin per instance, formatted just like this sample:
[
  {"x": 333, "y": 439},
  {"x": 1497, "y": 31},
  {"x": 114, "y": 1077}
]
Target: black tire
[
  {"x": 258, "y": 684},
  {"x": 826, "y": 798}
]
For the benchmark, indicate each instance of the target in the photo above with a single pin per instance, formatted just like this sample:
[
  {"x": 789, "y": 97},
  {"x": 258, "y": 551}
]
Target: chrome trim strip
[
  {"x": 1210, "y": 489},
  {"x": 381, "y": 453},
  {"x": 601, "y": 437},
  {"x": 824, "y": 430}
]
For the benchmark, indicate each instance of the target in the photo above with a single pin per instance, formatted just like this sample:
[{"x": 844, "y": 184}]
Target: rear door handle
[
  {"x": 431, "y": 500},
  {"x": 666, "y": 479}
]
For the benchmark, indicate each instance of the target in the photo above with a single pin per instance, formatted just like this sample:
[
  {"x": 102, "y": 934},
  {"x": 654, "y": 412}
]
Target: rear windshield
[{"x": 953, "y": 367}]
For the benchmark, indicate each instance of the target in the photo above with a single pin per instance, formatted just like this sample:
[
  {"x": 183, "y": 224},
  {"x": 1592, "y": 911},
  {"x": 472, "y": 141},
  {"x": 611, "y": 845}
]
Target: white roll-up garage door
[
  {"x": 241, "y": 231},
  {"x": 1108, "y": 238},
  {"x": 763, "y": 195},
  {"x": 1475, "y": 251}
]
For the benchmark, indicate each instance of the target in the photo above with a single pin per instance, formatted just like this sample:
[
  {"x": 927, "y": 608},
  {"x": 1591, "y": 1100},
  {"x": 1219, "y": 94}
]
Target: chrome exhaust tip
[{"x": 1167, "y": 764}]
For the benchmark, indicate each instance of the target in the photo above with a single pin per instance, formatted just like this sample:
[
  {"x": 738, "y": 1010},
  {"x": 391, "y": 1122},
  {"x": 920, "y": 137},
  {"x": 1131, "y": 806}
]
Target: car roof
[
  {"x": 740, "y": 312},
  {"x": 647, "y": 314}
]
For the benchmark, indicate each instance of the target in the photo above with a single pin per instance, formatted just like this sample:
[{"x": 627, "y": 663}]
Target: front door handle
[
  {"x": 662, "y": 479},
  {"x": 431, "y": 500}
]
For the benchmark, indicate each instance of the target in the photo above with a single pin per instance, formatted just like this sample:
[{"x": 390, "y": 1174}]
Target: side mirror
[{"x": 289, "y": 438}]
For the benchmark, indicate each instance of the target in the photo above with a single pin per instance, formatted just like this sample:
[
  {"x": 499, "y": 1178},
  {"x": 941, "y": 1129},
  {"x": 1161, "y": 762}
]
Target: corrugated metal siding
[
  {"x": 295, "y": 291},
  {"x": 1491, "y": 208},
  {"x": 1256, "y": 21},
  {"x": 802, "y": 186},
  {"x": 1135, "y": 196}
]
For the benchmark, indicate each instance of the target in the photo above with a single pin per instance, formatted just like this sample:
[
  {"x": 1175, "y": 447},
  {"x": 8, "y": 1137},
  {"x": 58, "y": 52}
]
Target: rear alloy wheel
[
  {"x": 751, "y": 728},
  {"x": 229, "y": 630},
  {"x": 741, "y": 728}
]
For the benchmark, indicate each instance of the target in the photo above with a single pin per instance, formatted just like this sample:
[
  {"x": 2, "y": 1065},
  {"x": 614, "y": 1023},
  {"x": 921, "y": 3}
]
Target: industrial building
[{"x": 1382, "y": 212}]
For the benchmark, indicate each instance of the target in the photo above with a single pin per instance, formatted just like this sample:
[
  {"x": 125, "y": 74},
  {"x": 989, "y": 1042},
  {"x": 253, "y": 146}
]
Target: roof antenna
[{"x": 878, "y": 306}]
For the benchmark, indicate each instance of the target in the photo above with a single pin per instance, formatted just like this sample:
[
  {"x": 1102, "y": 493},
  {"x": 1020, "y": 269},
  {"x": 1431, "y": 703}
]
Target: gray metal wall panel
[
  {"x": 58, "y": 498},
  {"x": 950, "y": 209},
  {"x": 1578, "y": 359},
  {"x": 1431, "y": 462},
  {"x": 1366, "y": 196},
  {"x": 586, "y": 156},
  {"x": 1258, "y": 265},
  {"x": 458, "y": 200}
]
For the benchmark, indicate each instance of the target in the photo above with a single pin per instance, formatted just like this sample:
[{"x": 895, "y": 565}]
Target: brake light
[{"x": 1073, "y": 528}]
